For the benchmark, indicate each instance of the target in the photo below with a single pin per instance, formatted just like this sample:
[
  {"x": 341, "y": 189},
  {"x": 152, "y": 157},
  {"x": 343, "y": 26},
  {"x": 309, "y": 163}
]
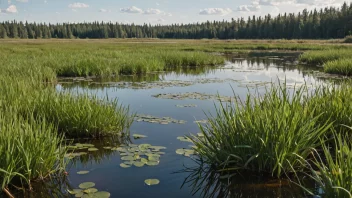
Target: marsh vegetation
[{"x": 264, "y": 114}]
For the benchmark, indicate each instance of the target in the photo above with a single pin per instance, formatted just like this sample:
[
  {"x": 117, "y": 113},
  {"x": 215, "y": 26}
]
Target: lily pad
[
  {"x": 184, "y": 139},
  {"x": 90, "y": 190},
  {"x": 123, "y": 165},
  {"x": 144, "y": 160},
  {"x": 127, "y": 158},
  {"x": 74, "y": 191},
  {"x": 80, "y": 194},
  {"x": 82, "y": 172},
  {"x": 128, "y": 162},
  {"x": 138, "y": 136},
  {"x": 151, "y": 182},
  {"x": 86, "y": 185},
  {"x": 138, "y": 164},
  {"x": 180, "y": 151},
  {"x": 107, "y": 147},
  {"x": 152, "y": 163}
]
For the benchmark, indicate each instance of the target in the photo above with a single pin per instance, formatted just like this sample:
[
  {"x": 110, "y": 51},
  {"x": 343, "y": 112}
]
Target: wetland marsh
[{"x": 126, "y": 119}]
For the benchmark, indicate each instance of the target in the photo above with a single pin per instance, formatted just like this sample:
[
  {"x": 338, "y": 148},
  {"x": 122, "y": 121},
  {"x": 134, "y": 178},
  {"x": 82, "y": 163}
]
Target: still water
[{"x": 239, "y": 76}]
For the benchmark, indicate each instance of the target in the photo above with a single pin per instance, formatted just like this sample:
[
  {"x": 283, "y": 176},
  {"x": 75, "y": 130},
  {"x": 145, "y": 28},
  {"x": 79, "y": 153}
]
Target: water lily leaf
[
  {"x": 127, "y": 158},
  {"x": 184, "y": 139},
  {"x": 93, "y": 149},
  {"x": 133, "y": 145},
  {"x": 83, "y": 153},
  {"x": 138, "y": 136},
  {"x": 107, "y": 147},
  {"x": 152, "y": 163},
  {"x": 128, "y": 162},
  {"x": 80, "y": 194},
  {"x": 153, "y": 158},
  {"x": 74, "y": 191},
  {"x": 82, "y": 172},
  {"x": 180, "y": 151},
  {"x": 86, "y": 185},
  {"x": 151, "y": 182},
  {"x": 157, "y": 147},
  {"x": 90, "y": 190},
  {"x": 138, "y": 164},
  {"x": 144, "y": 146},
  {"x": 144, "y": 160},
  {"x": 160, "y": 153}
]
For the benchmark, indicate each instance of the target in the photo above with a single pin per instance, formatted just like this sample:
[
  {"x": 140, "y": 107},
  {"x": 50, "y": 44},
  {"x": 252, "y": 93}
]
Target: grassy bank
[
  {"x": 275, "y": 134},
  {"x": 334, "y": 61}
]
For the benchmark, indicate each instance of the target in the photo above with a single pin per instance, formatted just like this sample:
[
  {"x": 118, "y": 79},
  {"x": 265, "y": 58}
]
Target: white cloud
[
  {"x": 248, "y": 8},
  {"x": 45, "y": 1},
  {"x": 133, "y": 10},
  {"x": 215, "y": 11},
  {"x": 78, "y": 5},
  {"x": 23, "y": 1},
  {"x": 153, "y": 11},
  {"x": 157, "y": 3},
  {"x": 11, "y": 9},
  {"x": 156, "y": 11},
  {"x": 161, "y": 20}
]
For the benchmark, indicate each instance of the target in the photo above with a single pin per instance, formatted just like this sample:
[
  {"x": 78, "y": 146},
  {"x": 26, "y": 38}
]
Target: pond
[{"x": 182, "y": 97}]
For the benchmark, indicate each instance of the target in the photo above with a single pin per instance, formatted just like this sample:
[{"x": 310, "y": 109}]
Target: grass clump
[
  {"x": 331, "y": 168},
  {"x": 333, "y": 102},
  {"x": 341, "y": 66},
  {"x": 30, "y": 149},
  {"x": 81, "y": 116},
  {"x": 323, "y": 56},
  {"x": 263, "y": 134}
]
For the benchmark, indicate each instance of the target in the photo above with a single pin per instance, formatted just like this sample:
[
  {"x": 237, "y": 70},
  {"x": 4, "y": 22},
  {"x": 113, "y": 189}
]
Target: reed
[
  {"x": 323, "y": 56},
  {"x": 262, "y": 134},
  {"x": 341, "y": 66},
  {"x": 30, "y": 149},
  {"x": 331, "y": 168}
]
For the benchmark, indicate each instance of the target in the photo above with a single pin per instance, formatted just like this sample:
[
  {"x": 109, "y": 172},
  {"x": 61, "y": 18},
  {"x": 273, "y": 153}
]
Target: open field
[{"x": 269, "y": 134}]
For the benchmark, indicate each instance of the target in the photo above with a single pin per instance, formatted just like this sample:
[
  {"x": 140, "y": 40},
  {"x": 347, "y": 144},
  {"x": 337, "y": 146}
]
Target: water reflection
[{"x": 209, "y": 183}]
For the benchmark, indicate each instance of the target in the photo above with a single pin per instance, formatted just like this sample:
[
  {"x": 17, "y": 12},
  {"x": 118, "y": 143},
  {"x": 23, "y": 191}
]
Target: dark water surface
[{"x": 238, "y": 75}]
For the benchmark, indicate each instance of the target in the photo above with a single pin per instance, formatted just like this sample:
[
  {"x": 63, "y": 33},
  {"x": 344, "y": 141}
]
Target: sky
[{"x": 149, "y": 11}]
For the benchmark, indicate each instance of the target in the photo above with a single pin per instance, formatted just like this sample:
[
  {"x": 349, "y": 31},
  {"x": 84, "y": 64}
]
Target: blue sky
[{"x": 149, "y": 11}]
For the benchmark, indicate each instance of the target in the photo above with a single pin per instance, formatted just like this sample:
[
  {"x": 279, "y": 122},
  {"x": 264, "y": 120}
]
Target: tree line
[{"x": 326, "y": 23}]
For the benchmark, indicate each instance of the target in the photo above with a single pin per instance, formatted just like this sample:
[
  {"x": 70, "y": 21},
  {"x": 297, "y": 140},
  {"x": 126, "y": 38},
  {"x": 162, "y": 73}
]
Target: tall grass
[
  {"x": 322, "y": 56},
  {"x": 331, "y": 168},
  {"x": 333, "y": 102},
  {"x": 81, "y": 116},
  {"x": 341, "y": 66},
  {"x": 263, "y": 134},
  {"x": 29, "y": 149}
]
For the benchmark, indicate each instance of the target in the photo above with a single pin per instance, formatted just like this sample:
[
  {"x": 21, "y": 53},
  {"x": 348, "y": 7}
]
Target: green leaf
[
  {"x": 86, "y": 185},
  {"x": 151, "y": 182}
]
